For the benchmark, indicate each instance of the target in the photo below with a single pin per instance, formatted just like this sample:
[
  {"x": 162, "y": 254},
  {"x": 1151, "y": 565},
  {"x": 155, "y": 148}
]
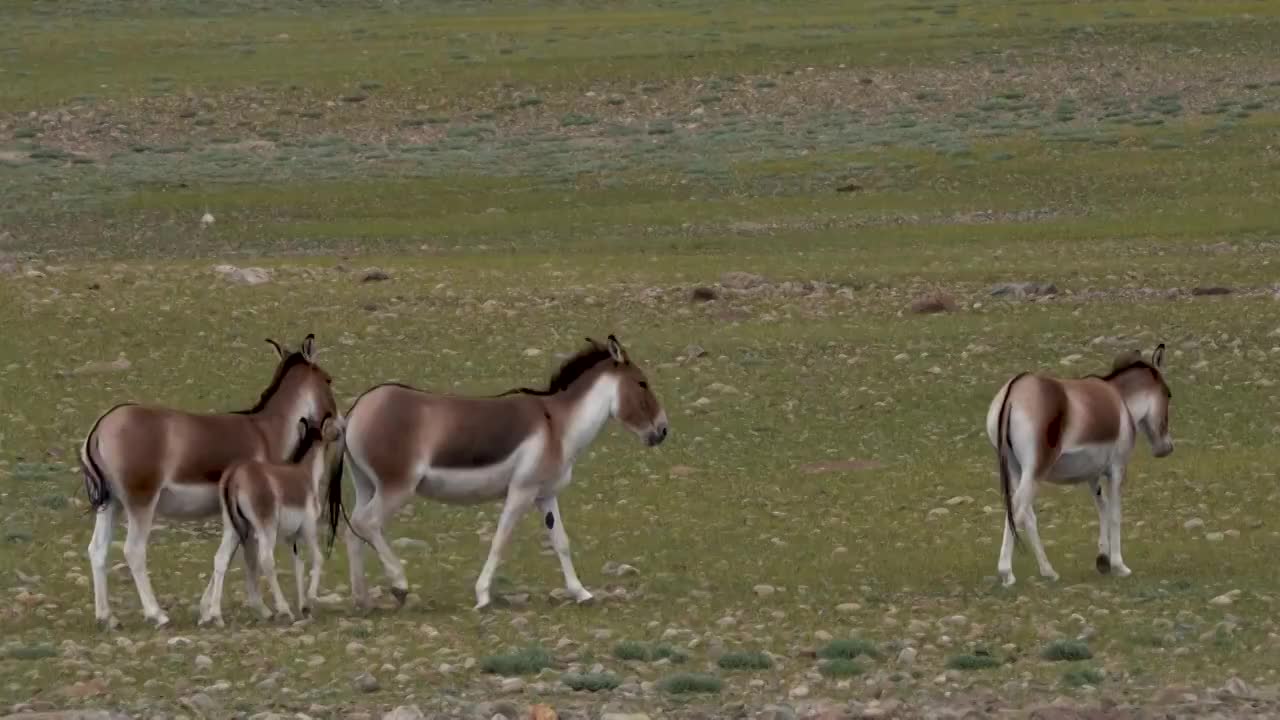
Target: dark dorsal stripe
[
  {"x": 290, "y": 361},
  {"x": 572, "y": 369},
  {"x": 1136, "y": 365}
]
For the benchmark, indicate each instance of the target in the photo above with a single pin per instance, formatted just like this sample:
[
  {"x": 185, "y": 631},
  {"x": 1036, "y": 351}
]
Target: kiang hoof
[
  {"x": 1103, "y": 563},
  {"x": 159, "y": 621},
  {"x": 587, "y": 600},
  {"x": 110, "y": 624},
  {"x": 401, "y": 595},
  {"x": 306, "y": 611},
  {"x": 213, "y": 621}
]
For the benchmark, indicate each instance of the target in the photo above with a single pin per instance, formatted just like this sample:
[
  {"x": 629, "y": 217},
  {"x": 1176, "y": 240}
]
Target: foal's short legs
[
  {"x": 252, "y": 593},
  {"x": 211, "y": 603},
  {"x": 266, "y": 558},
  {"x": 518, "y": 502},
  {"x": 104, "y": 523},
  {"x": 550, "y": 509}
]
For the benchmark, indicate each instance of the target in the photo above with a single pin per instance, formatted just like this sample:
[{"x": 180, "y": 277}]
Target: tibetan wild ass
[
  {"x": 1068, "y": 431},
  {"x": 146, "y": 459},
  {"x": 519, "y": 446},
  {"x": 266, "y": 500}
]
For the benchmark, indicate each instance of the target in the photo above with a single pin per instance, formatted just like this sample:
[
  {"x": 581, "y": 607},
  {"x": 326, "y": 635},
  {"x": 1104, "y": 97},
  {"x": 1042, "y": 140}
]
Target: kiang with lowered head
[
  {"x": 268, "y": 500},
  {"x": 1068, "y": 431},
  {"x": 147, "y": 460},
  {"x": 520, "y": 446}
]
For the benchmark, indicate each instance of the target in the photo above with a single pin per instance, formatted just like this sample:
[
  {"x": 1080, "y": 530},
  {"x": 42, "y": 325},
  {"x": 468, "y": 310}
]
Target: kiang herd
[{"x": 274, "y": 472}]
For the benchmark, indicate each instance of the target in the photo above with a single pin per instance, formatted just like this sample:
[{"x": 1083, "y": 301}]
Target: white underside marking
[
  {"x": 289, "y": 522},
  {"x": 1081, "y": 463},
  {"x": 476, "y": 485},
  {"x": 189, "y": 501}
]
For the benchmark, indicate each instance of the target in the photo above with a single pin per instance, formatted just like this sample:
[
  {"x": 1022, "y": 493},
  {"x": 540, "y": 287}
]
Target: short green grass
[{"x": 530, "y": 173}]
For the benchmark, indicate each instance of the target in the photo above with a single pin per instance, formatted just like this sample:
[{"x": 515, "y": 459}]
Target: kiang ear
[
  {"x": 309, "y": 347},
  {"x": 1157, "y": 357},
  {"x": 615, "y": 349},
  {"x": 279, "y": 350}
]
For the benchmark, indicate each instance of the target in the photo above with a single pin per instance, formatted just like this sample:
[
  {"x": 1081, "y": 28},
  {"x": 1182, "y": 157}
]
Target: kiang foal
[
  {"x": 1068, "y": 431},
  {"x": 146, "y": 460},
  {"x": 519, "y": 446},
  {"x": 266, "y": 500}
]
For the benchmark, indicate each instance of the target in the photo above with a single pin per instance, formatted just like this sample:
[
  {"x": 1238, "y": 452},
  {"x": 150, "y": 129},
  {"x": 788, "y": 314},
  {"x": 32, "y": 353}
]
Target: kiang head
[
  {"x": 635, "y": 404},
  {"x": 1147, "y": 395},
  {"x": 305, "y": 385}
]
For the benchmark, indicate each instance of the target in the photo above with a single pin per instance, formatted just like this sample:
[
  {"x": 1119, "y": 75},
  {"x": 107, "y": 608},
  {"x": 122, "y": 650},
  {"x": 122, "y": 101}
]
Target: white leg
[
  {"x": 355, "y": 546},
  {"x": 211, "y": 605},
  {"x": 550, "y": 509},
  {"x": 367, "y": 521},
  {"x": 104, "y": 524},
  {"x": 1103, "y": 562},
  {"x": 1004, "y": 566},
  {"x": 1115, "y": 479},
  {"x": 518, "y": 502},
  {"x": 1025, "y": 515},
  {"x": 300, "y": 576},
  {"x": 252, "y": 574},
  {"x": 135, "y": 554},
  {"x": 267, "y": 560},
  {"x": 317, "y": 559}
]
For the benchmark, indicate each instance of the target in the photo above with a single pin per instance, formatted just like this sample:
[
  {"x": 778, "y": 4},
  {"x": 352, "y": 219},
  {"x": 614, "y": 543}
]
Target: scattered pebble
[{"x": 367, "y": 683}]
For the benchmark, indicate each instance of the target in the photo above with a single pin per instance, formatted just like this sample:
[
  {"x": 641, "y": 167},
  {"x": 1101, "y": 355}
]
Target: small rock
[
  {"x": 413, "y": 543},
  {"x": 202, "y": 704},
  {"x": 542, "y": 712},
  {"x": 405, "y": 712},
  {"x": 799, "y": 692},
  {"x": 933, "y": 303},
  {"x": 763, "y": 590},
  {"x": 848, "y": 608},
  {"x": 206, "y": 220},
  {"x": 616, "y": 569},
  {"x": 367, "y": 683},
  {"x": 959, "y": 500},
  {"x": 680, "y": 471},
  {"x": 1214, "y": 537},
  {"x": 203, "y": 662},
  {"x": 178, "y": 642},
  {"x": 511, "y": 686},
  {"x": 957, "y": 621},
  {"x": 907, "y": 657},
  {"x": 1024, "y": 289},
  {"x": 939, "y": 512},
  {"x": 244, "y": 276},
  {"x": 777, "y": 712},
  {"x": 376, "y": 276},
  {"x": 1071, "y": 359},
  {"x": 694, "y": 351},
  {"x": 1193, "y": 523},
  {"x": 727, "y": 621},
  {"x": 1236, "y": 687},
  {"x": 532, "y": 352},
  {"x": 1225, "y": 598}
]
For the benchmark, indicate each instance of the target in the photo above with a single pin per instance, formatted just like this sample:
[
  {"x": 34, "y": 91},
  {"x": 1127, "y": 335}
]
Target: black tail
[
  {"x": 1003, "y": 447},
  {"x": 334, "y": 509},
  {"x": 239, "y": 521},
  {"x": 95, "y": 483}
]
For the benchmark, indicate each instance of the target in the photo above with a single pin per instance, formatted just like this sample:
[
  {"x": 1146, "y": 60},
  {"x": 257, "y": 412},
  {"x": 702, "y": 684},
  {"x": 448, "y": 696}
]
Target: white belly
[
  {"x": 476, "y": 485},
  {"x": 1081, "y": 464},
  {"x": 189, "y": 501}
]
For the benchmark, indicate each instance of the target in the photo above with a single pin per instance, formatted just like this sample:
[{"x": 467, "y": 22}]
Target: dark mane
[
  {"x": 308, "y": 441},
  {"x": 291, "y": 360},
  {"x": 570, "y": 370},
  {"x": 1137, "y": 363}
]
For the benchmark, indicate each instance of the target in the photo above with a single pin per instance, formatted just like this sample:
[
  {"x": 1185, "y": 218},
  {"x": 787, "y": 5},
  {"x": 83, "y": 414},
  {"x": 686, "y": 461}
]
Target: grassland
[{"x": 753, "y": 199}]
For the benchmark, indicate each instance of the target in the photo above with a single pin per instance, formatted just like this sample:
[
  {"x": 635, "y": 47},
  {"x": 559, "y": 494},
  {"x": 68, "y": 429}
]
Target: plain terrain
[{"x": 766, "y": 203}]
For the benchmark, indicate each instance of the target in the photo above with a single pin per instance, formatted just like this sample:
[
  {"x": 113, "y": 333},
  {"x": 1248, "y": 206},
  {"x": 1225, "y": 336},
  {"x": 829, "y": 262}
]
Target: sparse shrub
[
  {"x": 841, "y": 668},
  {"x": 591, "y": 682},
  {"x": 1079, "y": 677},
  {"x": 531, "y": 101},
  {"x": 683, "y": 683},
  {"x": 848, "y": 649},
  {"x": 522, "y": 662},
  {"x": 972, "y": 662},
  {"x": 575, "y": 120},
  {"x": 745, "y": 661},
  {"x": 1066, "y": 650},
  {"x": 32, "y": 652},
  {"x": 641, "y": 652},
  {"x": 631, "y": 650}
]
